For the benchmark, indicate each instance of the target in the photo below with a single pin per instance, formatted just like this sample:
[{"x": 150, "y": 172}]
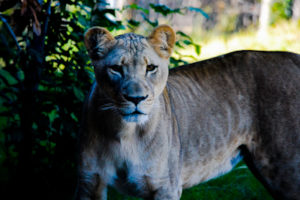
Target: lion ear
[
  {"x": 98, "y": 41},
  {"x": 162, "y": 39}
]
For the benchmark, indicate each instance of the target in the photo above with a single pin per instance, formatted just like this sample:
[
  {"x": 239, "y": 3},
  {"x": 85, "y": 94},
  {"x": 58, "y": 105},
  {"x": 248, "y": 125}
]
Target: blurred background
[
  {"x": 228, "y": 25},
  {"x": 45, "y": 74}
]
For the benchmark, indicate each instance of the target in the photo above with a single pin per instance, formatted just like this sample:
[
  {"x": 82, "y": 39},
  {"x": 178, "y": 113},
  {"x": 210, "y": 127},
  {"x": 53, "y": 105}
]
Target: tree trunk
[
  {"x": 264, "y": 18},
  {"x": 296, "y": 9}
]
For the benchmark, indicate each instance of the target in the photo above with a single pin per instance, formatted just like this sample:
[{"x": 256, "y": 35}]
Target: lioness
[{"x": 150, "y": 132}]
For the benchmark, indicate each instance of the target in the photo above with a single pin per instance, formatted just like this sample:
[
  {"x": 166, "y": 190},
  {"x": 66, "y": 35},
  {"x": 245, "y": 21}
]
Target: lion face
[{"x": 131, "y": 70}]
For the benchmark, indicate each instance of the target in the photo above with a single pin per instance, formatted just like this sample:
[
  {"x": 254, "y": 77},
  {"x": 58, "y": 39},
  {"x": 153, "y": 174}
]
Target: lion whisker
[{"x": 108, "y": 106}]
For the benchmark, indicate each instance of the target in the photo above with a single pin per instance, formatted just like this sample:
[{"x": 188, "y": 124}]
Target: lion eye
[
  {"x": 116, "y": 69},
  {"x": 151, "y": 68}
]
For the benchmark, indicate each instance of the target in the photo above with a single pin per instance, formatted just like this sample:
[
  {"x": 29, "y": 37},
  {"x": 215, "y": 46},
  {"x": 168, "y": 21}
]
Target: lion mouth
[
  {"x": 136, "y": 116},
  {"x": 136, "y": 112}
]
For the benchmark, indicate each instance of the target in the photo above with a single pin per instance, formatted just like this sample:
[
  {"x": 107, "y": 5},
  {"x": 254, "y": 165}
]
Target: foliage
[
  {"x": 42, "y": 88},
  {"x": 281, "y": 9},
  {"x": 184, "y": 41},
  {"x": 163, "y": 9}
]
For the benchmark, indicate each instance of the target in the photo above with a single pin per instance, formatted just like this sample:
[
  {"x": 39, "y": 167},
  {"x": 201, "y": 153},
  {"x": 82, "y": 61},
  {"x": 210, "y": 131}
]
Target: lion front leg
[{"x": 90, "y": 187}]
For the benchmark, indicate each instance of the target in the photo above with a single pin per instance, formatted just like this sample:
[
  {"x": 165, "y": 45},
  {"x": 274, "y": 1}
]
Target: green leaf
[
  {"x": 163, "y": 9},
  {"x": 187, "y": 42},
  {"x": 43, "y": 143},
  {"x": 7, "y": 77},
  {"x": 74, "y": 117},
  {"x": 78, "y": 93},
  {"x": 153, "y": 24},
  {"x": 182, "y": 34},
  {"x": 136, "y": 7},
  {"x": 199, "y": 10},
  {"x": 197, "y": 49},
  {"x": 178, "y": 44},
  {"x": 134, "y": 23}
]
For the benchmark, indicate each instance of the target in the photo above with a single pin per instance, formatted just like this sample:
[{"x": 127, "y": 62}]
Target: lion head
[{"x": 131, "y": 70}]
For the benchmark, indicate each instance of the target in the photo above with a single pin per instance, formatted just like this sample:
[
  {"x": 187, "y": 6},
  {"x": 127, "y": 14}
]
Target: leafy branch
[{"x": 11, "y": 32}]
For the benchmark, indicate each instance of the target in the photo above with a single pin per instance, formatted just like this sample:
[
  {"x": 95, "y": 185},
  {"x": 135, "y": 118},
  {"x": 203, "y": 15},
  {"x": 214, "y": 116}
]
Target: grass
[{"x": 238, "y": 184}]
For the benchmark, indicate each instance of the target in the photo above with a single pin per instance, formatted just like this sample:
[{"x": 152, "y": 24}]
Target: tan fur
[
  {"x": 100, "y": 38},
  {"x": 162, "y": 40},
  {"x": 192, "y": 122}
]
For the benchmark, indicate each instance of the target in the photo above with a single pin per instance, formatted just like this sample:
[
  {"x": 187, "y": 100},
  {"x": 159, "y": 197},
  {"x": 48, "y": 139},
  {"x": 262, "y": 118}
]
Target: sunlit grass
[
  {"x": 237, "y": 184},
  {"x": 283, "y": 36}
]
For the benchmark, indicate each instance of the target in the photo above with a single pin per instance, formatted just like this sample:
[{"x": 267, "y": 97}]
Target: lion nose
[{"x": 135, "y": 99}]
